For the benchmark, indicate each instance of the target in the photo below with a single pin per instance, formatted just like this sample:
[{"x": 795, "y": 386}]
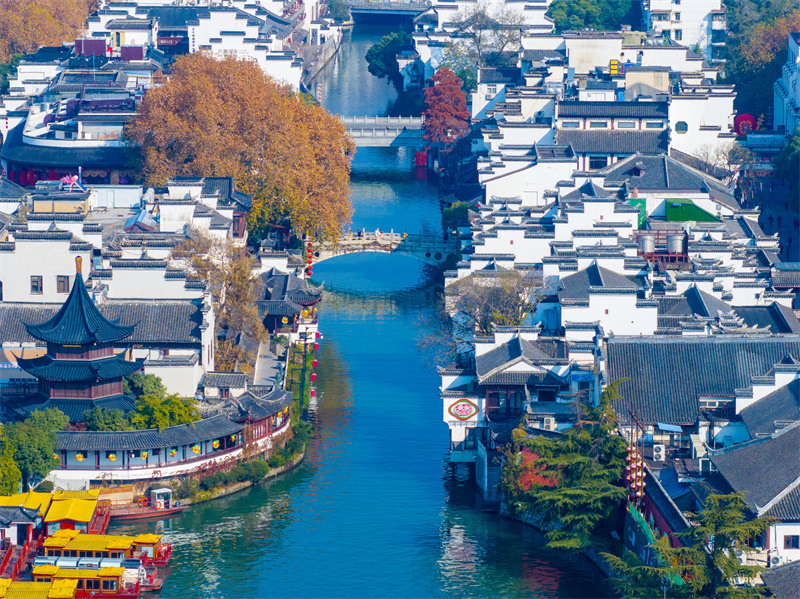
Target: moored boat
[{"x": 159, "y": 505}]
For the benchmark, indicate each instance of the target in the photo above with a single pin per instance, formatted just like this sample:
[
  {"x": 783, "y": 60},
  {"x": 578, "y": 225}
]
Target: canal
[{"x": 374, "y": 510}]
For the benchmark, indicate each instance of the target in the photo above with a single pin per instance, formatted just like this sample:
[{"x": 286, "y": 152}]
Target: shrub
[
  {"x": 276, "y": 460},
  {"x": 46, "y": 486}
]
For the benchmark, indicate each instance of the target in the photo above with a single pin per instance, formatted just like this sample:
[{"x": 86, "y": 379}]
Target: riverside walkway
[
  {"x": 384, "y": 131},
  {"x": 428, "y": 248}
]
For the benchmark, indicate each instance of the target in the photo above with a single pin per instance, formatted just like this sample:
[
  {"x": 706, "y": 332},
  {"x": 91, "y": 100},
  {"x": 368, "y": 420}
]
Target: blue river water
[{"x": 374, "y": 510}]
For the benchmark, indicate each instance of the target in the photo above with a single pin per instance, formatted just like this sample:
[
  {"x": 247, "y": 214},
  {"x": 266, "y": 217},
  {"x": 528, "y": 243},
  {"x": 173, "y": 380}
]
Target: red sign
[{"x": 463, "y": 409}]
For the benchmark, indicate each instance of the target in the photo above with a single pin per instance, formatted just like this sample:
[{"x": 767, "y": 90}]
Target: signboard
[{"x": 463, "y": 409}]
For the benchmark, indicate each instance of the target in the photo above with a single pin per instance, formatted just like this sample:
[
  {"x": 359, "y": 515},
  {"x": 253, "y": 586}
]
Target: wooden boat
[{"x": 159, "y": 505}]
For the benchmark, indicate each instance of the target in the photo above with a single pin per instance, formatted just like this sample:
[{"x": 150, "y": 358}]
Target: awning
[{"x": 669, "y": 428}]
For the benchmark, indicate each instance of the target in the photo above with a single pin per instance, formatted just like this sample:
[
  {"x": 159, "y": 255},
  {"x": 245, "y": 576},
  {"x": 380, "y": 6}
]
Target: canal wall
[
  {"x": 315, "y": 61},
  {"x": 202, "y": 497}
]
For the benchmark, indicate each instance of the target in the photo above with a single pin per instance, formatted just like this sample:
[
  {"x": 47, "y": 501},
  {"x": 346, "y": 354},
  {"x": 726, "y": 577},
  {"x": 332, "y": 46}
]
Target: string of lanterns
[
  {"x": 634, "y": 476},
  {"x": 309, "y": 260}
]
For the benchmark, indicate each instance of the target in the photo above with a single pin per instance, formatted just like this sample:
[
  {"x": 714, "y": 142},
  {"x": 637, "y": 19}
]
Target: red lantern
[
  {"x": 316, "y": 345},
  {"x": 317, "y": 333},
  {"x": 313, "y": 377},
  {"x": 313, "y": 393},
  {"x": 314, "y": 363},
  {"x": 309, "y": 244}
]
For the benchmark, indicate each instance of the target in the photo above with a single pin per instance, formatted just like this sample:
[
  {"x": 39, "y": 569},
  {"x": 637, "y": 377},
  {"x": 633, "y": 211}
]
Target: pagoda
[{"x": 80, "y": 370}]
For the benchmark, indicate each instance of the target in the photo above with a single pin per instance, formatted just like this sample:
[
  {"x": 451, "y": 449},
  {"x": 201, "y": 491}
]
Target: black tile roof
[
  {"x": 17, "y": 515},
  {"x": 237, "y": 380},
  {"x": 588, "y": 190},
  {"x": 79, "y": 322},
  {"x": 666, "y": 374},
  {"x": 664, "y": 173},
  {"x": 763, "y": 469},
  {"x": 616, "y": 141},
  {"x": 14, "y": 150},
  {"x": 621, "y": 110},
  {"x": 781, "y": 406},
  {"x": 75, "y": 408},
  {"x": 158, "y": 321},
  {"x": 782, "y": 581},
  {"x": 776, "y": 316},
  {"x": 593, "y": 277},
  {"x": 543, "y": 351},
  {"x": 253, "y": 407},
  {"x": 674, "y": 309},
  {"x": 51, "y": 369},
  {"x": 207, "y": 429},
  {"x": 10, "y": 190}
]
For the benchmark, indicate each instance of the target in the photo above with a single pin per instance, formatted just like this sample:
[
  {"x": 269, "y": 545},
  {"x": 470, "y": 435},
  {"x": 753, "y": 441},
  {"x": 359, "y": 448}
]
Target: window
[
  {"x": 677, "y": 16},
  {"x": 598, "y": 124},
  {"x": 678, "y": 35},
  {"x": 62, "y": 284},
  {"x": 491, "y": 90},
  {"x": 654, "y": 124},
  {"x": 36, "y": 284},
  {"x": 791, "y": 542},
  {"x": 571, "y": 124},
  {"x": 681, "y": 127},
  {"x": 596, "y": 162},
  {"x": 626, "y": 125}
]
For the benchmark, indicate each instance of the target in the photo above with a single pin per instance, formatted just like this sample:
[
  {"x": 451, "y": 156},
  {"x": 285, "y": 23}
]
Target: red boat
[{"x": 159, "y": 505}]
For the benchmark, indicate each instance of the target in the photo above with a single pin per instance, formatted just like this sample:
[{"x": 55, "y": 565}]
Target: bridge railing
[
  {"x": 414, "y": 122},
  {"x": 389, "y": 6},
  {"x": 391, "y": 238}
]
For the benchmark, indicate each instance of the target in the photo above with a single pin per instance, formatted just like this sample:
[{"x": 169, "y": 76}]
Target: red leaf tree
[{"x": 446, "y": 114}]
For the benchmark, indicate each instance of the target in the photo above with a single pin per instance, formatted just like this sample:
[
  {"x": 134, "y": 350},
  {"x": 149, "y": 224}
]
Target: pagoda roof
[
  {"x": 78, "y": 322},
  {"x": 51, "y": 369}
]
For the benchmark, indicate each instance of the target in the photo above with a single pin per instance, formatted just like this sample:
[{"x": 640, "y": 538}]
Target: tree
[
  {"x": 139, "y": 383},
  {"x": 338, "y": 10},
  {"x": 10, "y": 474},
  {"x": 6, "y": 69},
  {"x": 105, "y": 419},
  {"x": 34, "y": 442},
  {"x": 575, "y": 491},
  {"x": 228, "y": 118},
  {"x": 722, "y": 160},
  {"x": 27, "y": 24},
  {"x": 607, "y": 15},
  {"x": 454, "y": 215},
  {"x": 446, "y": 114},
  {"x": 228, "y": 271},
  {"x": 756, "y": 58},
  {"x": 463, "y": 63},
  {"x": 382, "y": 56},
  {"x": 161, "y": 412},
  {"x": 707, "y": 566},
  {"x": 490, "y": 36},
  {"x": 504, "y": 299}
]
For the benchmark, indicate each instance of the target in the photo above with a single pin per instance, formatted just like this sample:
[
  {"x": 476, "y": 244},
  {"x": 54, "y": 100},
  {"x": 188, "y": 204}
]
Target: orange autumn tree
[
  {"x": 27, "y": 24},
  {"x": 446, "y": 114},
  {"x": 228, "y": 118}
]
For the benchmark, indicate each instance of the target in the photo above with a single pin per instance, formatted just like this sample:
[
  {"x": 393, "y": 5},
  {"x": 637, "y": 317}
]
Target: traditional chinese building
[{"x": 80, "y": 370}]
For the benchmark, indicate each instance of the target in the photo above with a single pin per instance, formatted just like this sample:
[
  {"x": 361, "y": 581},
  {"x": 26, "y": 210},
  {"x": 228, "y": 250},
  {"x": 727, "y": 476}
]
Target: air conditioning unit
[
  {"x": 549, "y": 423},
  {"x": 776, "y": 560},
  {"x": 659, "y": 453},
  {"x": 540, "y": 113}
]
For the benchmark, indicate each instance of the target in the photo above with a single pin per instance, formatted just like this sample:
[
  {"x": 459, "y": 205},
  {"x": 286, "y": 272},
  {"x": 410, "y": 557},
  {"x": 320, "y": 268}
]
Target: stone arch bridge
[{"x": 428, "y": 248}]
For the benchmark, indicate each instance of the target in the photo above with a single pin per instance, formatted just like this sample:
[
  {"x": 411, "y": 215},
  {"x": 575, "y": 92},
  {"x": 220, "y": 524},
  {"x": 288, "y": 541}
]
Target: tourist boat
[
  {"x": 109, "y": 583},
  {"x": 147, "y": 575},
  {"x": 159, "y": 505},
  {"x": 72, "y": 543}
]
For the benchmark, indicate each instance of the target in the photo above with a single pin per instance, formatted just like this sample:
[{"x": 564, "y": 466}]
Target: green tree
[
  {"x": 34, "y": 442},
  {"x": 708, "y": 564},
  {"x": 338, "y": 10},
  {"x": 577, "y": 490},
  {"x": 138, "y": 384},
  {"x": 6, "y": 69},
  {"x": 463, "y": 63},
  {"x": 607, "y": 15},
  {"x": 10, "y": 474},
  {"x": 382, "y": 56},
  {"x": 160, "y": 412},
  {"x": 454, "y": 215},
  {"x": 104, "y": 419}
]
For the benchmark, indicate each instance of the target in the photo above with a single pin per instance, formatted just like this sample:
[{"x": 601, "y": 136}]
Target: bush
[
  {"x": 186, "y": 488},
  {"x": 45, "y": 486},
  {"x": 276, "y": 460}
]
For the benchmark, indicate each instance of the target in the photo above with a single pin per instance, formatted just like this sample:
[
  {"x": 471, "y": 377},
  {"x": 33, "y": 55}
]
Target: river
[{"x": 374, "y": 510}]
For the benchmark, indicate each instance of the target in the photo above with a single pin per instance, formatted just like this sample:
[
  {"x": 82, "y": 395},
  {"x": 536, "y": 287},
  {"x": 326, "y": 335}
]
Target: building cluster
[
  {"x": 642, "y": 263},
  {"x": 61, "y": 536}
]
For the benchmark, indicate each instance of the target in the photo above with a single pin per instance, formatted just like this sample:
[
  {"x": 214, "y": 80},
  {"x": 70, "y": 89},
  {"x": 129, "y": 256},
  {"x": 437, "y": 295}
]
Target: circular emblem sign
[{"x": 463, "y": 409}]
